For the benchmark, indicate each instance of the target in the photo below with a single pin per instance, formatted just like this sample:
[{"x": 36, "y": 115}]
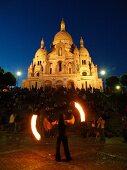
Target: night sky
[{"x": 102, "y": 24}]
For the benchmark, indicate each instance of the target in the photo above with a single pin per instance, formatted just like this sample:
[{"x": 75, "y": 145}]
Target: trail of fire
[
  {"x": 33, "y": 127},
  {"x": 82, "y": 114}
]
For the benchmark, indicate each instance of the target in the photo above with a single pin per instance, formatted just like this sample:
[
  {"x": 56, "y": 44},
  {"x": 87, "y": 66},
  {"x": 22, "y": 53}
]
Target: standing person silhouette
[{"x": 62, "y": 137}]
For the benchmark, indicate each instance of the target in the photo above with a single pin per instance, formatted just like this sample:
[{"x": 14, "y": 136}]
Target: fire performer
[
  {"x": 62, "y": 137},
  {"x": 61, "y": 122}
]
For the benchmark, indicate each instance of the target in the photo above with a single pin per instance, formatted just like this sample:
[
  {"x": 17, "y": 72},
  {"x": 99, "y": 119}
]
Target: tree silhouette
[
  {"x": 9, "y": 79},
  {"x": 123, "y": 79},
  {"x": 112, "y": 81},
  {"x": 6, "y": 79}
]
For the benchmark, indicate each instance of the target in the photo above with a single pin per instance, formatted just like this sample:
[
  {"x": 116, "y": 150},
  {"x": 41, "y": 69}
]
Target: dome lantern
[
  {"x": 62, "y": 36},
  {"x": 42, "y": 43},
  {"x": 62, "y": 25},
  {"x": 81, "y": 42}
]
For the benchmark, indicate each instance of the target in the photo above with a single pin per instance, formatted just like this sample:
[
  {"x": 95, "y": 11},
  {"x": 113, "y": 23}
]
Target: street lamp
[
  {"x": 18, "y": 75},
  {"x": 103, "y": 73}
]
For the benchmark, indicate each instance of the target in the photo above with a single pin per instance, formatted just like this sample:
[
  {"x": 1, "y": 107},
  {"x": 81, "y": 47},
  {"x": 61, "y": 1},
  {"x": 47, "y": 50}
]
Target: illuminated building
[{"x": 65, "y": 65}]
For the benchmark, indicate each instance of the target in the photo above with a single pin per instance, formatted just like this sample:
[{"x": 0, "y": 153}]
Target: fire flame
[
  {"x": 82, "y": 114},
  {"x": 33, "y": 127}
]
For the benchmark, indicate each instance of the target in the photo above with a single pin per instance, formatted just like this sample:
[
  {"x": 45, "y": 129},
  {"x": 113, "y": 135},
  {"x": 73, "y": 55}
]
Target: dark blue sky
[{"x": 103, "y": 25}]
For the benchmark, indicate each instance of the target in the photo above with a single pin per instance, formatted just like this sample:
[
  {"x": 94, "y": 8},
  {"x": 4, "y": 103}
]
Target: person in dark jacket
[{"x": 62, "y": 137}]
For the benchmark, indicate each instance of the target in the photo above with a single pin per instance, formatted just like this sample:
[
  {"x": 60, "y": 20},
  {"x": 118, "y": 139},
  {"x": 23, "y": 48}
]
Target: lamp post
[
  {"x": 103, "y": 73},
  {"x": 18, "y": 75}
]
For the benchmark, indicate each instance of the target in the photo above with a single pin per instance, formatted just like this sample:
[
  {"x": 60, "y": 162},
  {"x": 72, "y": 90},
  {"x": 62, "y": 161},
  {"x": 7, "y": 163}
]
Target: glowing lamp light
[
  {"x": 82, "y": 114},
  {"x": 118, "y": 87},
  {"x": 33, "y": 127},
  {"x": 102, "y": 72},
  {"x": 19, "y": 73}
]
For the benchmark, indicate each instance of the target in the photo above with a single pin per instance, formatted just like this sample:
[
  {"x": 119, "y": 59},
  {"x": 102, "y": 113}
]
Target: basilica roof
[{"x": 62, "y": 35}]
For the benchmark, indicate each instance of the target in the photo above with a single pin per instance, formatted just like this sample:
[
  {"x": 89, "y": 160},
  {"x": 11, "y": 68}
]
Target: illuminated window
[
  {"x": 41, "y": 68},
  {"x": 83, "y": 62},
  {"x": 35, "y": 84},
  {"x": 86, "y": 84},
  {"x": 82, "y": 86},
  {"x": 69, "y": 70},
  {"x": 60, "y": 51},
  {"x": 60, "y": 66},
  {"x": 50, "y": 70}
]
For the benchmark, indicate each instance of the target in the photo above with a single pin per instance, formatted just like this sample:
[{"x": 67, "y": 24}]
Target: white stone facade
[{"x": 65, "y": 65}]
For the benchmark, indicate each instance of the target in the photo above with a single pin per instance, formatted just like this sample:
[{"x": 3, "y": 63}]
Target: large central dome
[{"x": 63, "y": 36}]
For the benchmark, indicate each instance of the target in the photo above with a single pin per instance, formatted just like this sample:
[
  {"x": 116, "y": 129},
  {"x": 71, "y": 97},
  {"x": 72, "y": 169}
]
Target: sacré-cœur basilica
[{"x": 65, "y": 65}]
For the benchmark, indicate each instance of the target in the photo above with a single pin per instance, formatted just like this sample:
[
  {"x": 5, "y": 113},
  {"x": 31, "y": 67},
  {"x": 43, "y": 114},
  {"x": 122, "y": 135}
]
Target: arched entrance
[
  {"x": 48, "y": 83},
  {"x": 59, "y": 83},
  {"x": 70, "y": 84}
]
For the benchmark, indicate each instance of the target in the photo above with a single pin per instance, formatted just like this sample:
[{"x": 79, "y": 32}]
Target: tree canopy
[
  {"x": 112, "y": 81},
  {"x": 6, "y": 79},
  {"x": 123, "y": 79}
]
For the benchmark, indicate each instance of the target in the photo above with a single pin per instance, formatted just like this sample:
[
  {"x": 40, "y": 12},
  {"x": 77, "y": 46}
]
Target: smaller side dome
[
  {"x": 82, "y": 49},
  {"x": 42, "y": 50}
]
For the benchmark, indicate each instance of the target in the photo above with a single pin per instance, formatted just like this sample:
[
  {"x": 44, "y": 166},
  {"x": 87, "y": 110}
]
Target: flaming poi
[
  {"x": 33, "y": 127},
  {"x": 82, "y": 114}
]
